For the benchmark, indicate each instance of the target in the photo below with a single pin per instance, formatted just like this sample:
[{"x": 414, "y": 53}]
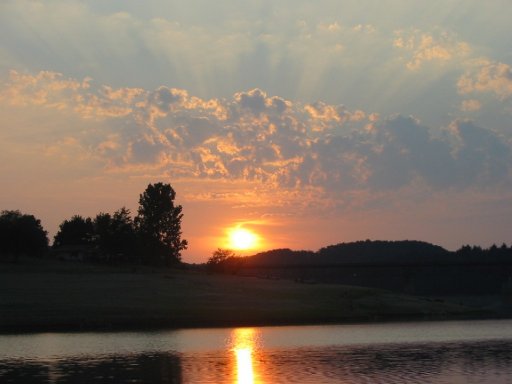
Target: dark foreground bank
[{"x": 57, "y": 296}]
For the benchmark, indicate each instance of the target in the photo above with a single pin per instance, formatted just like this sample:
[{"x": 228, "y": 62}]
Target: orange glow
[
  {"x": 244, "y": 344},
  {"x": 242, "y": 239}
]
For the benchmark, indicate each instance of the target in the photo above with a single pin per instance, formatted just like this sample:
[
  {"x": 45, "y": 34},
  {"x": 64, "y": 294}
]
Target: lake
[{"x": 416, "y": 352}]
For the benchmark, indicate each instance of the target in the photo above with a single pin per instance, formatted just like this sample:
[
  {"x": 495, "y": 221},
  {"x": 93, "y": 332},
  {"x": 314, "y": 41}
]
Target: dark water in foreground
[{"x": 437, "y": 352}]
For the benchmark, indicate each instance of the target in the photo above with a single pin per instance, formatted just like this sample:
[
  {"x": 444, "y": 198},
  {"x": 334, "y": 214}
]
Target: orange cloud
[
  {"x": 46, "y": 88},
  {"x": 284, "y": 147},
  {"x": 470, "y": 105},
  {"x": 489, "y": 77},
  {"x": 424, "y": 47}
]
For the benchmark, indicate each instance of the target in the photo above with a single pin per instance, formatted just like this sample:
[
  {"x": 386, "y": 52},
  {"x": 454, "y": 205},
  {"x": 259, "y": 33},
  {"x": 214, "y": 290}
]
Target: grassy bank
[{"x": 55, "y": 296}]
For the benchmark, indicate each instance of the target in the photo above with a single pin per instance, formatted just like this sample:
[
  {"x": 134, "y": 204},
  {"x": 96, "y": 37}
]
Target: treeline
[
  {"x": 382, "y": 252},
  {"x": 371, "y": 253},
  {"x": 411, "y": 267},
  {"x": 153, "y": 237},
  {"x": 477, "y": 253}
]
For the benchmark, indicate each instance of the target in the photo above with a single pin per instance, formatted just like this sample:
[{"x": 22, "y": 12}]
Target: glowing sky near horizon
[{"x": 307, "y": 123}]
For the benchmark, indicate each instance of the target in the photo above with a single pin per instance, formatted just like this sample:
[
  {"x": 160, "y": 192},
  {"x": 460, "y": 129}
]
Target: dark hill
[
  {"x": 282, "y": 257},
  {"x": 405, "y": 266},
  {"x": 360, "y": 252},
  {"x": 371, "y": 252}
]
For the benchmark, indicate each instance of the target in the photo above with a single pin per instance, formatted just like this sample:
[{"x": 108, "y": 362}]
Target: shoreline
[
  {"x": 96, "y": 326},
  {"x": 61, "y": 297},
  {"x": 161, "y": 327}
]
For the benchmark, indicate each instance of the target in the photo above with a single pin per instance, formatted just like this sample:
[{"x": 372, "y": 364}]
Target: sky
[{"x": 307, "y": 122}]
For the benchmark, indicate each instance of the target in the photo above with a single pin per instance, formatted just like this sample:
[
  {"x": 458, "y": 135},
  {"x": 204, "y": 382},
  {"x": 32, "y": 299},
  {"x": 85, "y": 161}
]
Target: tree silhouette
[
  {"x": 219, "y": 256},
  {"x": 76, "y": 231},
  {"x": 115, "y": 235},
  {"x": 158, "y": 224},
  {"x": 224, "y": 261},
  {"x": 21, "y": 234}
]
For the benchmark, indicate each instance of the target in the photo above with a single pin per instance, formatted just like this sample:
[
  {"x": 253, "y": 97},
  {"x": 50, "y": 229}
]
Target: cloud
[
  {"x": 257, "y": 102},
  {"x": 46, "y": 88},
  {"x": 481, "y": 156},
  {"x": 424, "y": 47},
  {"x": 164, "y": 98},
  {"x": 325, "y": 116},
  {"x": 126, "y": 44},
  {"x": 488, "y": 77},
  {"x": 284, "y": 147},
  {"x": 53, "y": 90},
  {"x": 291, "y": 49},
  {"x": 470, "y": 105}
]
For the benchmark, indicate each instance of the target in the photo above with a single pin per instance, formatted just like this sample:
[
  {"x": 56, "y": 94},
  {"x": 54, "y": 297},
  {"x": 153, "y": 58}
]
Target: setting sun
[{"x": 242, "y": 239}]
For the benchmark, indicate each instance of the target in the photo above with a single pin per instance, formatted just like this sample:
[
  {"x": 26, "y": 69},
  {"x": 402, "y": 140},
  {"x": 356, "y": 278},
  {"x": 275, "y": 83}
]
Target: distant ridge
[
  {"x": 359, "y": 252},
  {"x": 412, "y": 267},
  {"x": 381, "y": 252}
]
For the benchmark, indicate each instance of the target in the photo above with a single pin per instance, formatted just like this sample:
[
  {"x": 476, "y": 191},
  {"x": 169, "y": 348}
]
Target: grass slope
[{"x": 44, "y": 295}]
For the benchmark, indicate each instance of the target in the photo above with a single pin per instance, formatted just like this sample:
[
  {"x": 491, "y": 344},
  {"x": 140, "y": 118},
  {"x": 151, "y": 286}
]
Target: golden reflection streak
[
  {"x": 244, "y": 344},
  {"x": 244, "y": 368}
]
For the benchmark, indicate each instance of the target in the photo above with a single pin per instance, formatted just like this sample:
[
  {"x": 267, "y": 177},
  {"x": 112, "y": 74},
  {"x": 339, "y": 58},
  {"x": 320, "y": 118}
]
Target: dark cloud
[
  {"x": 481, "y": 157},
  {"x": 164, "y": 98},
  {"x": 253, "y": 101},
  {"x": 403, "y": 150},
  {"x": 257, "y": 102},
  {"x": 145, "y": 151}
]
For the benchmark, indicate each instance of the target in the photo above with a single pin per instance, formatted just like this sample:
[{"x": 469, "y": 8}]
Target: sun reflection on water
[{"x": 244, "y": 345}]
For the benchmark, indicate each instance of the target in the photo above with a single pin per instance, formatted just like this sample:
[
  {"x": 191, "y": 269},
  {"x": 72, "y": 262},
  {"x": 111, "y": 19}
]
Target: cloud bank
[{"x": 279, "y": 144}]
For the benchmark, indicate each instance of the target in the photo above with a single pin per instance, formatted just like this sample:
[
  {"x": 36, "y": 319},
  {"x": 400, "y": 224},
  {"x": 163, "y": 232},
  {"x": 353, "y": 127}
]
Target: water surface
[{"x": 436, "y": 352}]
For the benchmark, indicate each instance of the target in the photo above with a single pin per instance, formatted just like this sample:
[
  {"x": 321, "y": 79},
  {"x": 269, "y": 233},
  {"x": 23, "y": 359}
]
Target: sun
[{"x": 242, "y": 239}]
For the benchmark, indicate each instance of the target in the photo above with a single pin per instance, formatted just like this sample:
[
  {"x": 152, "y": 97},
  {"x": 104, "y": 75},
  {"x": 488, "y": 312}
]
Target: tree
[
  {"x": 76, "y": 231},
  {"x": 219, "y": 256},
  {"x": 224, "y": 261},
  {"x": 158, "y": 224},
  {"x": 102, "y": 235},
  {"x": 21, "y": 234},
  {"x": 115, "y": 235},
  {"x": 124, "y": 237}
]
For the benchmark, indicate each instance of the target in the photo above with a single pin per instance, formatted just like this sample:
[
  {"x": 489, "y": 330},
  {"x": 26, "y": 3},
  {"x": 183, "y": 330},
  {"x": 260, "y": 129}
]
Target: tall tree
[
  {"x": 159, "y": 224},
  {"x": 21, "y": 234}
]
